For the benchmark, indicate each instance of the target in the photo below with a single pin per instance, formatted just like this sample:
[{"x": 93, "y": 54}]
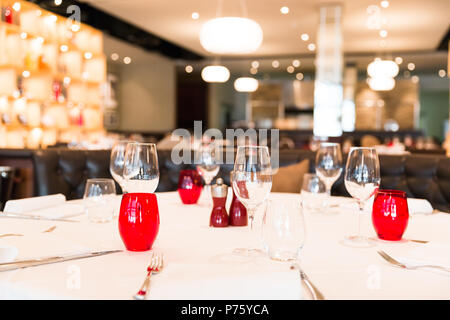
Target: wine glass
[
  {"x": 313, "y": 192},
  {"x": 252, "y": 179},
  {"x": 283, "y": 230},
  {"x": 98, "y": 199},
  {"x": 208, "y": 167},
  {"x": 328, "y": 165},
  {"x": 116, "y": 162},
  {"x": 140, "y": 170},
  {"x": 362, "y": 179}
]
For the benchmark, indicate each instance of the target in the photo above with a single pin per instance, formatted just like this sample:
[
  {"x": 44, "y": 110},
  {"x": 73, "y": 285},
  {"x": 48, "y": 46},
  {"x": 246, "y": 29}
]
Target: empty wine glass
[
  {"x": 362, "y": 179},
  {"x": 313, "y": 192},
  {"x": 141, "y": 171},
  {"x": 329, "y": 165},
  {"x": 283, "y": 230},
  {"x": 252, "y": 179},
  {"x": 208, "y": 167},
  {"x": 99, "y": 199},
  {"x": 117, "y": 161}
]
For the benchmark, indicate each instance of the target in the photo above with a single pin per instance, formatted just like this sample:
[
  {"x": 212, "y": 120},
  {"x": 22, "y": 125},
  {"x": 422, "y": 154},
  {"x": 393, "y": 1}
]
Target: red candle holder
[
  {"x": 139, "y": 220},
  {"x": 189, "y": 186},
  {"x": 390, "y": 214}
]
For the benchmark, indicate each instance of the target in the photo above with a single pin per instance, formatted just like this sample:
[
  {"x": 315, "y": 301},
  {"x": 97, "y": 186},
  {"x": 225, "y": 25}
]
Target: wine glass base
[
  {"x": 358, "y": 242},
  {"x": 249, "y": 252}
]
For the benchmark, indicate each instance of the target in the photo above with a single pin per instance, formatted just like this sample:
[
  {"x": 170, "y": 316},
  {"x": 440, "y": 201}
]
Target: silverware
[
  {"x": 49, "y": 229},
  {"x": 33, "y": 217},
  {"x": 21, "y": 264},
  {"x": 11, "y": 235},
  {"x": 315, "y": 292},
  {"x": 391, "y": 260},
  {"x": 419, "y": 241},
  {"x": 155, "y": 266}
]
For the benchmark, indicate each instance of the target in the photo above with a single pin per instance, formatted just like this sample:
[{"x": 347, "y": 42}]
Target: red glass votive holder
[
  {"x": 139, "y": 220},
  {"x": 189, "y": 186},
  {"x": 390, "y": 214}
]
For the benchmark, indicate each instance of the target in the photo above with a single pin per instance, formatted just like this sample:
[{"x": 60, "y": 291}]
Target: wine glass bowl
[
  {"x": 208, "y": 167},
  {"x": 141, "y": 171},
  {"x": 117, "y": 161},
  {"x": 329, "y": 163}
]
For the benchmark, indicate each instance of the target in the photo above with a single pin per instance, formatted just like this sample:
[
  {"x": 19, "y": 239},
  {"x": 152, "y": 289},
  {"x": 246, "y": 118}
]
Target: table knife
[
  {"x": 20, "y": 264},
  {"x": 32, "y": 217},
  {"x": 316, "y": 294}
]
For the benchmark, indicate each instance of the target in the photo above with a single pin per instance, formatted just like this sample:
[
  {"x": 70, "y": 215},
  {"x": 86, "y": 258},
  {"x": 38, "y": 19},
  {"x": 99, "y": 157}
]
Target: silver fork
[
  {"x": 391, "y": 260},
  {"x": 155, "y": 266}
]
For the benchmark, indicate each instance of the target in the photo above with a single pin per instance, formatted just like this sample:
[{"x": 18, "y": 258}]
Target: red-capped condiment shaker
[
  {"x": 238, "y": 212},
  {"x": 219, "y": 215}
]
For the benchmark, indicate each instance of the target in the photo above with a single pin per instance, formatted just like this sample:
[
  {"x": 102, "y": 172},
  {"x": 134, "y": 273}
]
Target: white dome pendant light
[
  {"x": 215, "y": 74},
  {"x": 231, "y": 35},
  {"x": 246, "y": 84}
]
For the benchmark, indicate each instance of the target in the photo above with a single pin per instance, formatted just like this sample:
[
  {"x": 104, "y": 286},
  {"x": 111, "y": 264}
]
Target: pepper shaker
[{"x": 219, "y": 215}]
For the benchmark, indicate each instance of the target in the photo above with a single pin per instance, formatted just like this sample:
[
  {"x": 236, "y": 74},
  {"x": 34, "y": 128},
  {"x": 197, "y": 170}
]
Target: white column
[{"x": 328, "y": 95}]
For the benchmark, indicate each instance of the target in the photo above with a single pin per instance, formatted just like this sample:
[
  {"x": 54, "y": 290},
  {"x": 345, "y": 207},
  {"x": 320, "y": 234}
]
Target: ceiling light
[
  {"x": 66, "y": 80},
  {"x": 290, "y": 69},
  {"x": 63, "y": 48},
  {"x": 23, "y": 35},
  {"x": 442, "y": 73},
  {"x": 398, "y": 60},
  {"x": 304, "y": 37},
  {"x": 255, "y": 64},
  {"x": 275, "y": 63},
  {"x": 217, "y": 74},
  {"x": 411, "y": 66},
  {"x": 253, "y": 70},
  {"x": 246, "y": 84},
  {"x": 88, "y": 55},
  {"x": 299, "y": 76},
  {"x": 415, "y": 79},
  {"x": 382, "y": 69},
  {"x": 58, "y": 2},
  {"x": 231, "y": 35},
  {"x": 284, "y": 10},
  {"x": 16, "y": 6},
  {"x": 26, "y": 74},
  {"x": 384, "y": 4},
  {"x": 40, "y": 40},
  {"x": 195, "y": 15},
  {"x": 311, "y": 47},
  {"x": 127, "y": 60},
  {"x": 383, "y": 33},
  {"x": 75, "y": 27},
  {"x": 381, "y": 83},
  {"x": 114, "y": 56},
  {"x": 296, "y": 63},
  {"x": 188, "y": 68}
]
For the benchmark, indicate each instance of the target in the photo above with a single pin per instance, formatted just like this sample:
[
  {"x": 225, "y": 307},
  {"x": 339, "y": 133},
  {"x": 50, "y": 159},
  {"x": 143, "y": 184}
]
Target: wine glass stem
[
  {"x": 251, "y": 217},
  {"x": 360, "y": 212}
]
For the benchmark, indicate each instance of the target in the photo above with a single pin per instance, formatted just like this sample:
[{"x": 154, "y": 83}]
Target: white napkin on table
[{"x": 52, "y": 206}]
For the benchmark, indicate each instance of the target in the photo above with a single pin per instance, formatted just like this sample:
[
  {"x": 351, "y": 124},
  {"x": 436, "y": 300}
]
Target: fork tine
[{"x": 389, "y": 259}]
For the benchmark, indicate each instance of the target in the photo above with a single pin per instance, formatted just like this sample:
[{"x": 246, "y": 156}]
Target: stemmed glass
[
  {"x": 329, "y": 164},
  {"x": 208, "y": 167},
  {"x": 252, "y": 179},
  {"x": 116, "y": 162},
  {"x": 140, "y": 170},
  {"x": 362, "y": 179}
]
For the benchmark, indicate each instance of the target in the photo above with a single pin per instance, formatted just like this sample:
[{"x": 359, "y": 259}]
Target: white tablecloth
[{"x": 199, "y": 263}]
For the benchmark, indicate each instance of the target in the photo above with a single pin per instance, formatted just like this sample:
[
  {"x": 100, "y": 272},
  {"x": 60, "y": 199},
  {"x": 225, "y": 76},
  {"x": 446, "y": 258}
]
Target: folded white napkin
[
  {"x": 435, "y": 253},
  {"x": 237, "y": 282},
  {"x": 415, "y": 206},
  {"x": 52, "y": 206}
]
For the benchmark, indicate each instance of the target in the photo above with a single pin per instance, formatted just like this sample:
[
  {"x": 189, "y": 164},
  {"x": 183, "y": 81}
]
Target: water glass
[
  {"x": 313, "y": 192},
  {"x": 390, "y": 214},
  {"x": 99, "y": 199},
  {"x": 283, "y": 230}
]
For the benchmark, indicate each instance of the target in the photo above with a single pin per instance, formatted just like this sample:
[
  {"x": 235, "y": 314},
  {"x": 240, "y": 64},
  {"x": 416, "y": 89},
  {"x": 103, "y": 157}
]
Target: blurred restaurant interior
[{"x": 76, "y": 77}]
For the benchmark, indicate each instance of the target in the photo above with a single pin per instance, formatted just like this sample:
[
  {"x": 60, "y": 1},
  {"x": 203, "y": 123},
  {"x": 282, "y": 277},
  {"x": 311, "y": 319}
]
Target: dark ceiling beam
[{"x": 120, "y": 29}]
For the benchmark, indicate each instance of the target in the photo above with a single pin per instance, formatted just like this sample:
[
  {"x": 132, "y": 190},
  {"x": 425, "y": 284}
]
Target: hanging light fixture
[
  {"x": 230, "y": 35},
  {"x": 219, "y": 74},
  {"x": 382, "y": 68},
  {"x": 246, "y": 84},
  {"x": 381, "y": 83}
]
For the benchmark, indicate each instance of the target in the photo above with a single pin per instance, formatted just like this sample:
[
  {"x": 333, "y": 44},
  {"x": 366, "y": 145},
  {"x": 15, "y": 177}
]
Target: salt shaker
[
  {"x": 238, "y": 212},
  {"x": 219, "y": 215}
]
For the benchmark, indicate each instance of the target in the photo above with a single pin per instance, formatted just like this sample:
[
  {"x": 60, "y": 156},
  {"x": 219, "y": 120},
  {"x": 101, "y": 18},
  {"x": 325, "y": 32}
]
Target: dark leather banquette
[{"x": 65, "y": 171}]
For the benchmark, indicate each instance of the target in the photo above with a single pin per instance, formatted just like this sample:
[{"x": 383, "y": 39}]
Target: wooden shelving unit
[{"x": 52, "y": 70}]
